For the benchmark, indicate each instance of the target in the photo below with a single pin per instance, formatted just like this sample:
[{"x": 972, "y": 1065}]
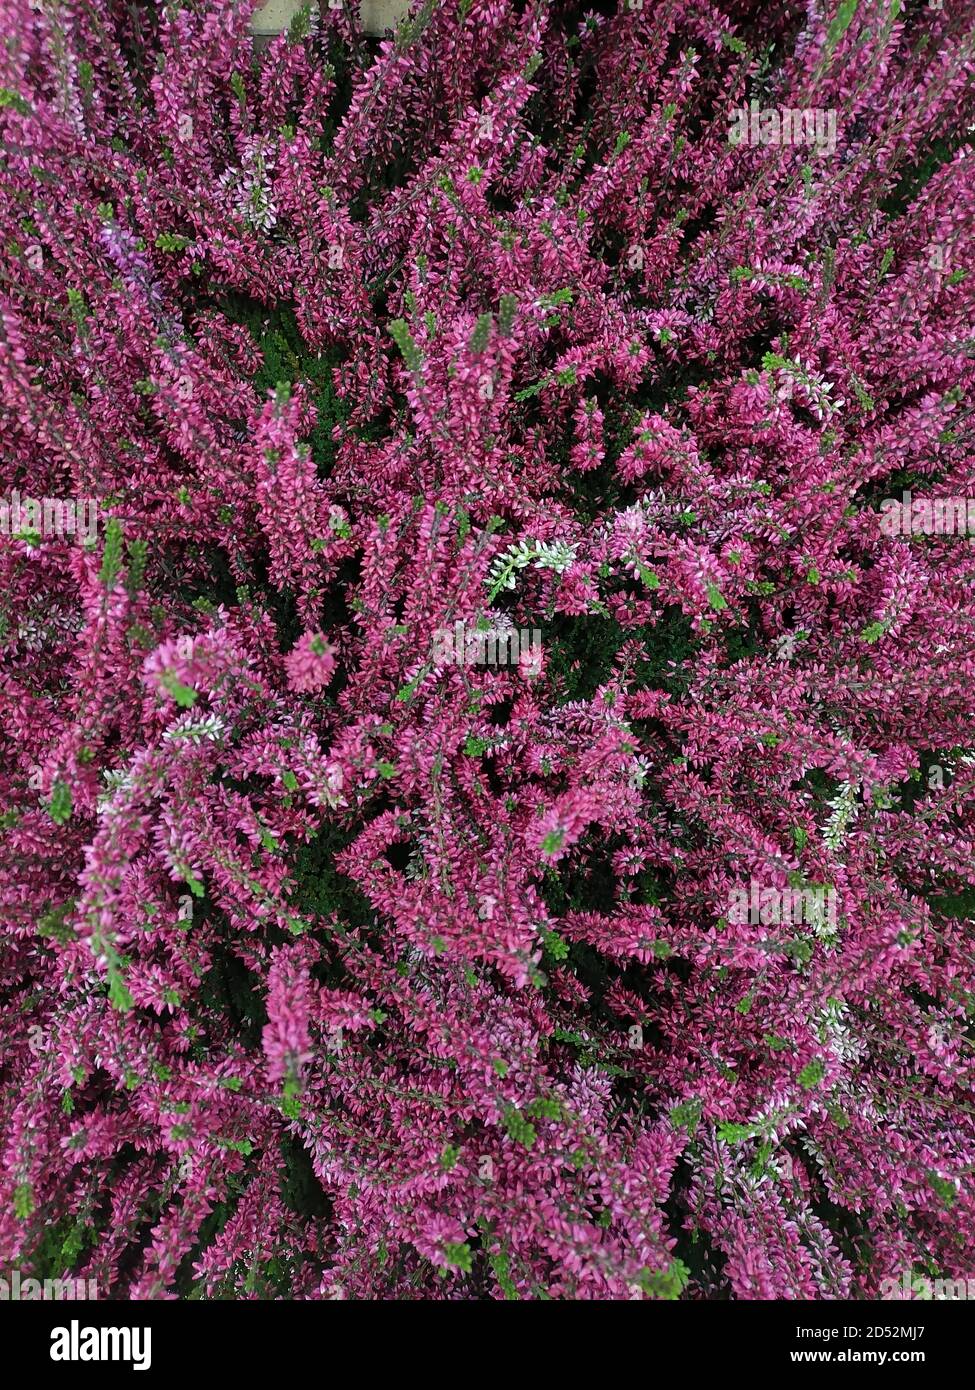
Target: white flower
[
  {"x": 541, "y": 555},
  {"x": 252, "y": 189},
  {"x": 845, "y": 809},
  {"x": 639, "y": 772},
  {"x": 210, "y": 729}
]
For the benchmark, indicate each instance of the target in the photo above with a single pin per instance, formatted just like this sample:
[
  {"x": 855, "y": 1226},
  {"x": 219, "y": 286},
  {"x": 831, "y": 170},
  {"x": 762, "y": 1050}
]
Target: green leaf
[
  {"x": 842, "y": 22},
  {"x": 112, "y": 553},
  {"x": 518, "y": 1127},
  {"x": 532, "y": 66},
  {"x": 78, "y": 307},
  {"x": 716, "y": 598},
  {"x": 666, "y": 1284},
  {"x": 735, "y": 44},
  {"x": 687, "y": 1115},
  {"x": 812, "y": 1074},
  {"x": 300, "y": 26},
  {"x": 171, "y": 241},
  {"x": 648, "y": 577},
  {"x": 506, "y": 314},
  {"x": 729, "y": 1133},
  {"x": 14, "y": 101},
  {"x": 943, "y": 1189},
  {"x": 406, "y": 691},
  {"x": 534, "y": 390},
  {"x": 553, "y": 841},
  {"x": 501, "y": 1267},
  {"x": 59, "y": 807},
  {"x": 400, "y": 333},
  {"x": 554, "y": 945},
  {"x": 138, "y": 555},
  {"x": 458, "y": 1254},
  {"x": 118, "y": 994},
  {"x": 184, "y": 695},
  {"x": 23, "y": 1201},
  {"x": 545, "y": 1109},
  {"x": 482, "y": 333}
]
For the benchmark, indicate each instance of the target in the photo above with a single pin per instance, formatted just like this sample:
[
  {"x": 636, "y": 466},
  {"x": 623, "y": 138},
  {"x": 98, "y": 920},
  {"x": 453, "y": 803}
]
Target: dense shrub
[{"x": 335, "y": 969}]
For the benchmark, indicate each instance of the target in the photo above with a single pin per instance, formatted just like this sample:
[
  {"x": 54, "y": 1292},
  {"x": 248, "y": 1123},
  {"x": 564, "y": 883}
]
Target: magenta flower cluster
[{"x": 330, "y": 970}]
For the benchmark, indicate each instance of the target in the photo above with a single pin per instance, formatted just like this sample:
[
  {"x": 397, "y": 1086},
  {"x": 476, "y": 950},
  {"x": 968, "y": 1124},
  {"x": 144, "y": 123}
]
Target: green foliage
[
  {"x": 482, "y": 333},
  {"x": 687, "y": 1115},
  {"x": 459, "y": 1255},
  {"x": 729, "y": 1133},
  {"x": 554, "y": 945},
  {"x": 111, "y": 553},
  {"x": 59, "y": 807},
  {"x": 184, "y": 695},
  {"x": 507, "y": 306},
  {"x": 23, "y": 1201},
  {"x": 842, "y": 21},
  {"x": 118, "y": 992},
  {"x": 666, "y": 1284},
  {"x": 138, "y": 553},
  {"x": 171, "y": 241},
  {"x": 13, "y": 102},
  {"x": 403, "y": 338},
  {"x": 812, "y": 1074},
  {"x": 518, "y": 1128}
]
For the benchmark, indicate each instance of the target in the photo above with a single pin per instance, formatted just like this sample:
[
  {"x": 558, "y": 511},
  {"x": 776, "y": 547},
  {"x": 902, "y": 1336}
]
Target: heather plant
[{"x": 332, "y": 970}]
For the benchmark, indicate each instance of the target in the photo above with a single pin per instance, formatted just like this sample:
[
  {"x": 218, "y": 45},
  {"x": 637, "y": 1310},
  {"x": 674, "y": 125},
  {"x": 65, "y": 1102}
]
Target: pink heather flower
[
  {"x": 438, "y": 989},
  {"x": 310, "y": 663}
]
